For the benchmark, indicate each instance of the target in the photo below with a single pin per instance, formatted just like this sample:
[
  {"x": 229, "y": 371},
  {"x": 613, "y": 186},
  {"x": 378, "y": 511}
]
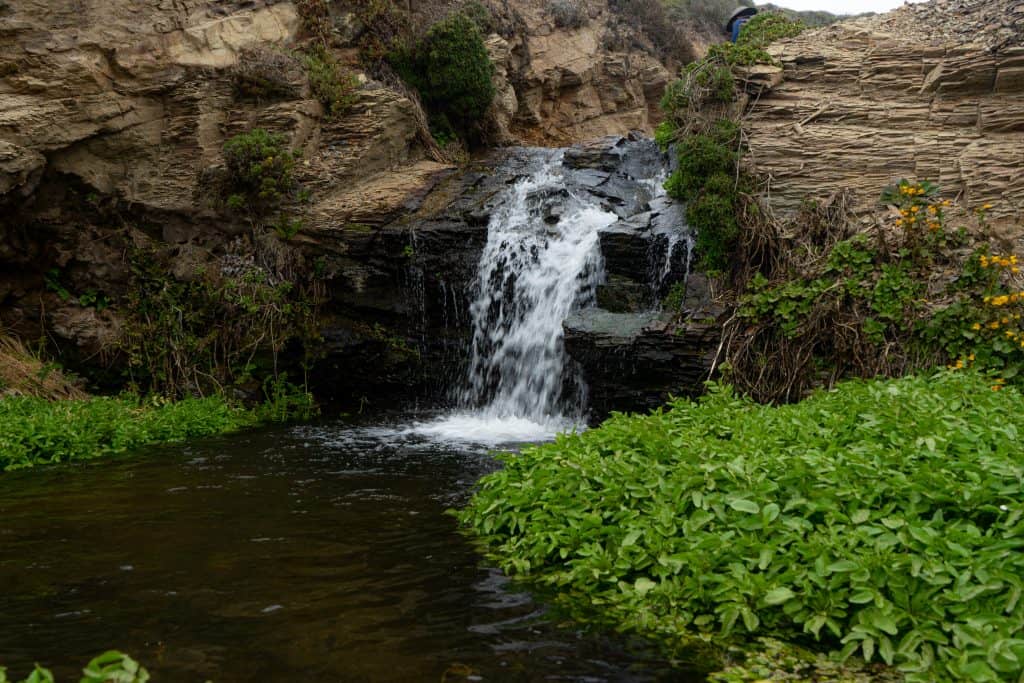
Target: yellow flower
[
  {"x": 970, "y": 357},
  {"x": 976, "y": 326},
  {"x": 986, "y": 207}
]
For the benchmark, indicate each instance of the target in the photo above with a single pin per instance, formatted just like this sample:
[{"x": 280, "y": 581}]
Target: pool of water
[{"x": 316, "y": 553}]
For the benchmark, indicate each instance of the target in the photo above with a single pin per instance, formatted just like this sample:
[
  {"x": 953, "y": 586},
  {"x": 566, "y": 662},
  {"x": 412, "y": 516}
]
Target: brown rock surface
[
  {"x": 930, "y": 91},
  {"x": 573, "y": 84}
]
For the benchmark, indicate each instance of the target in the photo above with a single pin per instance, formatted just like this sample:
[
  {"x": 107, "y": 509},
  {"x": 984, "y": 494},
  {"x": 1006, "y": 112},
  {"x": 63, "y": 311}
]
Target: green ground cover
[
  {"x": 37, "y": 431},
  {"x": 881, "y": 520}
]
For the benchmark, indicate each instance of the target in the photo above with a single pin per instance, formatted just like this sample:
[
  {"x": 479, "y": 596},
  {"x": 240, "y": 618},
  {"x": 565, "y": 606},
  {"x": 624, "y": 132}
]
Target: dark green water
[{"x": 302, "y": 554}]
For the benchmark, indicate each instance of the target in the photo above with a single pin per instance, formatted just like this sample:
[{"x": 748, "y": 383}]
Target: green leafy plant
[
  {"x": 336, "y": 87},
  {"x": 287, "y": 228},
  {"x": 286, "y": 402},
  {"x": 706, "y": 179},
  {"x": 37, "y": 431},
  {"x": 863, "y": 306},
  {"x": 217, "y": 329},
  {"x": 451, "y": 70},
  {"x": 881, "y": 519},
  {"x": 52, "y": 281},
  {"x": 260, "y": 170},
  {"x": 109, "y": 667}
]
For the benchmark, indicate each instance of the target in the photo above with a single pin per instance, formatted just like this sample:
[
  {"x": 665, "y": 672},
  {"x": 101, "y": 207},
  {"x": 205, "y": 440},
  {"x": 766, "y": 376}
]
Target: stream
[
  {"x": 307, "y": 553},
  {"x": 323, "y": 552}
]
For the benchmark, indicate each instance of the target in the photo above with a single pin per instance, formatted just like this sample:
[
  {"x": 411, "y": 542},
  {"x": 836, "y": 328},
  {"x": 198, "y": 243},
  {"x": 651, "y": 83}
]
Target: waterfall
[
  {"x": 542, "y": 263},
  {"x": 532, "y": 275},
  {"x": 542, "y": 260}
]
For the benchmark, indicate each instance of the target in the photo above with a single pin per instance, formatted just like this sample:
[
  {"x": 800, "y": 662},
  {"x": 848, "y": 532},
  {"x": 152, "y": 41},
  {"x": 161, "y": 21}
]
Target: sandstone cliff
[
  {"x": 571, "y": 84},
  {"x": 930, "y": 91},
  {"x": 113, "y": 117}
]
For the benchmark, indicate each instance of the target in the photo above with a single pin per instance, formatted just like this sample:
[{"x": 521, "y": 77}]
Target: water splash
[{"x": 542, "y": 260}]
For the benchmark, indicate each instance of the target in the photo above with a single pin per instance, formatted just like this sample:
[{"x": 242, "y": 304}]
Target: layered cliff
[
  {"x": 931, "y": 91},
  {"x": 113, "y": 120}
]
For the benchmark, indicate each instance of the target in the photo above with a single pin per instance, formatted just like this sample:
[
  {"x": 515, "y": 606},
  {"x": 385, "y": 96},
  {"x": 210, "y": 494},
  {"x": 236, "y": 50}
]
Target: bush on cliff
[
  {"x": 882, "y": 519},
  {"x": 334, "y": 85},
  {"x": 706, "y": 179},
  {"x": 451, "y": 70},
  {"x": 260, "y": 170}
]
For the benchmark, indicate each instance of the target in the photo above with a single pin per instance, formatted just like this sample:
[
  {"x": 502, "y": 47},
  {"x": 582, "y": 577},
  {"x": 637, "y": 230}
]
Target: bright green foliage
[
  {"x": 673, "y": 301},
  {"x": 882, "y": 519},
  {"x": 891, "y": 299},
  {"x": 706, "y": 179},
  {"x": 664, "y": 135},
  {"x": 109, "y": 667},
  {"x": 285, "y": 402},
  {"x": 451, "y": 70},
  {"x": 890, "y": 293},
  {"x": 713, "y": 215},
  {"x": 260, "y": 171},
  {"x": 757, "y": 34},
  {"x": 114, "y": 667},
  {"x": 331, "y": 83},
  {"x": 767, "y": 27},
  {"x": 36, "y": 431},
  {"x": 700, "y": 83}
]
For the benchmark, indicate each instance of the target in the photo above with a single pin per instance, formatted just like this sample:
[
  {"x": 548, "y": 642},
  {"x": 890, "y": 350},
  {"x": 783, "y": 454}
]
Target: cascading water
[
  {"x": 542, "y": 264},
  {"x": 541, "y": 260}
]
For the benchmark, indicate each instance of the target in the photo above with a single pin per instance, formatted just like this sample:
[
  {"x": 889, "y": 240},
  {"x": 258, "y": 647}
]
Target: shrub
[
  {"x": 224, "y": 327},
  {"x": 881, "y": 519},
  {"x": 260, "y": 171},
  {"x": 331, "y": 83},
  {"x": 481, "y": 15},
  {"x": 568, "y": 13},
  {"x": 713, "y": 215},
  {"x": 316, "y": 19},
  {"x": 705, "y": 178},
  {"x": 451, "y": 70},
  {"x": 265, "y": 74}
]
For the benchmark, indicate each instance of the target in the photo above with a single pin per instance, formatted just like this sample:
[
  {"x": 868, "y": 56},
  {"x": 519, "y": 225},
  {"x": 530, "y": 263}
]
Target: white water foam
[{"x": 521, "y": 385}]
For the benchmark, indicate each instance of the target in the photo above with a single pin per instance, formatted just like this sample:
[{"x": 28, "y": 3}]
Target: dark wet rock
[
  {"x": 622, "y": 295},
  {"x": 634, "y": 362}
]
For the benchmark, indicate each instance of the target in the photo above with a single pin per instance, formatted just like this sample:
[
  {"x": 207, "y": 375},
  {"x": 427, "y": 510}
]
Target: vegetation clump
[
  {"x": 701, "y": 123},
  {"x": 331, "y": 83},
  {"x": 881, "y": 519},
  {"x": 265, "y": 74},
  {"x": 221, "y": 328},
  {"x": 452, "y": 72},
  {"x": 109, "y": 667},
  {"x": 568, "y": 13},
  {"x": 260, "y": 170},
  {"x": 37, "y": 431},
  {"x": 820, "y": 306},
  {"x": 706, "y": 179}
]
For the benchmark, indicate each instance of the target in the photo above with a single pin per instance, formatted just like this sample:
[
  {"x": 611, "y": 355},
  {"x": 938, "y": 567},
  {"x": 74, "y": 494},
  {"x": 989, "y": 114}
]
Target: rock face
[
  {"x": 114, "y": 114},
  {"x": 571, "y": 85},
  {"x": 930, "y": 91},
  {"x": 636, "y": 361}
]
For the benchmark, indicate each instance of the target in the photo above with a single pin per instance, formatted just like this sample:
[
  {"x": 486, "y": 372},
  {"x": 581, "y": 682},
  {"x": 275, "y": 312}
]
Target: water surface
[{"x": 311, "y": 553}]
